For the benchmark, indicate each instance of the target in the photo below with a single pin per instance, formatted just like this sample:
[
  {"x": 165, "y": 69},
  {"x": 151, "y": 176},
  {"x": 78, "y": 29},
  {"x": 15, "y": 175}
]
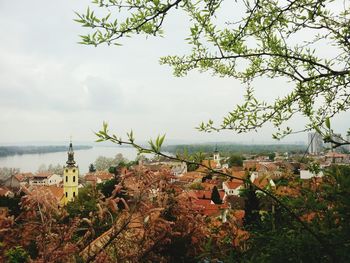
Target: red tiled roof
[
  {"x": 239, "y": 174},
  {"x": 4, "y": 191},
  {"x": 23, "y": 176},
  {"x": 210, "y": 163},
  {"x": 233, "y": 184},
  {"x": 335, "y": 155},
  {"x": 104, "y": 176},
  {"x": 43, "y": 174},
  {"x": 19, "y": 177},
  {"x": 54, "y": 190},
  {"x": 191, "y": 176},
  {"x": 207, "y": 208},
  {"x": 208, "y": 186},
  {"x": 202, "y": 194}
]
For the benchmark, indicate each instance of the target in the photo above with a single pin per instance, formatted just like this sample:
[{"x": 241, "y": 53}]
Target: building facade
[{"x": 315, "y": 143}]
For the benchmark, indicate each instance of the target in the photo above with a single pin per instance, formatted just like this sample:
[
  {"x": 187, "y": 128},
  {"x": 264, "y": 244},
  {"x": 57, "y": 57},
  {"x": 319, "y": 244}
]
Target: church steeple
[
  {"x": 70, "y": 176},
  {"x": 70, "y": 162},
  {"x": 216, "y": 155}
]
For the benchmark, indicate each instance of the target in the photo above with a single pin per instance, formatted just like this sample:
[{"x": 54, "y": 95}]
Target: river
[{"x": 83, "y": 158}]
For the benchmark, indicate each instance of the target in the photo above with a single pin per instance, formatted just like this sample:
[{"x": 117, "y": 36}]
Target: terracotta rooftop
[
  {"x": 191, "y": 176},
  {"x": 239, "y": 174},
  {"x": 57, "y": 192},
  {"x": 335, "y": 155},
  {"x": 4, "y": 191},
  {"x": 206, "y": 208},
  {"x": 102, "y": 175},
  {"x": 233, "y": 184},
  {"x": 202, "y": 194},
  {"x": 43, "y": 175}
]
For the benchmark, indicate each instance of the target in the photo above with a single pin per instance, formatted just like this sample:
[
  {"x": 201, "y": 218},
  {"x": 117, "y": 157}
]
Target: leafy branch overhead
[{"x": 305, "y": 43}]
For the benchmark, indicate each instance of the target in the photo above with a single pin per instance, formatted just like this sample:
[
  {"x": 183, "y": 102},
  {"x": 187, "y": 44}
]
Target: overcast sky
[{"x": 52, "y": 88}]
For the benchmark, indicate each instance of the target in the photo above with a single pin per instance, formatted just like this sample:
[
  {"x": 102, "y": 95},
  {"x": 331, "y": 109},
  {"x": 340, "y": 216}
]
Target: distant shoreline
[
  {"x": 236, "y": 148},
  {"x": 21, "y": 150}
]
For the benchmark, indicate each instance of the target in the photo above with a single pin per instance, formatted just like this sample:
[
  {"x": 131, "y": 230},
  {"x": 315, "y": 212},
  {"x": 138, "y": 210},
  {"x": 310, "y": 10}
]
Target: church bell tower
[{"x": 70, "y": 177}]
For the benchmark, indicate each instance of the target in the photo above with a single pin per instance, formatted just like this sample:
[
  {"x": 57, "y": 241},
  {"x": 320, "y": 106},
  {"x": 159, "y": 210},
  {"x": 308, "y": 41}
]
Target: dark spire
[
  {"x": 70, "y": 161},
  {"x": 216, "y": 148}
]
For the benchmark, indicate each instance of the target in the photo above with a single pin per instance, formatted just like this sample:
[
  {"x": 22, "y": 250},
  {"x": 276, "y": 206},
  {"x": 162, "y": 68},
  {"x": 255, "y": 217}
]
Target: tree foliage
[
  {"x": 103, "y": 163},
  {"x": 56, "y": 169},
  {"x": 305, "y": 43},
  {"x": 215, "y": 196},
  {"x": 235, "y": 160}
]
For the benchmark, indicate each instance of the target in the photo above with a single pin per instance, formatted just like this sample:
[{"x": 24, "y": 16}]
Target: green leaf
[{"x": 328, "y": 123}]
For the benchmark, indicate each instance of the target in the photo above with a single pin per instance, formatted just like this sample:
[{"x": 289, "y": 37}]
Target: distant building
[
  {"x": 70, "y": 177},
  {"x": 18, "y": 180},
  {"x": 315, "y": 143},
  {"x": 306, "y": 174},
  {"x": 347, "y": 147},
  {"x": 98, "y": 177},
  {"x": 45, "y": 178},
  {"x": 178, "y": 168},
  {"x": 216, "y": 156},
  {"x": 336, "y": 137},
  {"x": 232, "y": 187},
  {"x": 6, "y": 192}
]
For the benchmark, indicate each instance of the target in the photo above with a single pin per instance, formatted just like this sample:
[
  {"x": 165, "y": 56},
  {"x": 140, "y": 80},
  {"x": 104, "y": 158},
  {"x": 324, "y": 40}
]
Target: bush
[{"x": 17, "y": 255}]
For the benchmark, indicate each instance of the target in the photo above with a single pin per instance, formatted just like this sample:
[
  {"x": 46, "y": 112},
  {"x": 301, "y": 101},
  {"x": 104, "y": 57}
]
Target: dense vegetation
[
  {"x": 169, "y": 234},
  {"x": 14, "y": 150},
  {"x": 227, "y": 149}
]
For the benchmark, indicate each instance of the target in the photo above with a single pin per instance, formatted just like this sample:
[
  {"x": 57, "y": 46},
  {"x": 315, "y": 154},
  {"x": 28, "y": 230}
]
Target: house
[
  {"x": 208, "y": 208},
  {"x": 45, "y": 178},
  {"x": 4, "y": 191},
  {"x": 206, "y": 194},
  {"x": 178, "y": 168},
  {"x": 18, "y": 180},
  {"x": 306, "y": 174},
  {"x": 98, "y": 177},
  {"x": 264, "y": 183},
  {"x": 190, "y": 177},
  {"x": 334, "y": 157},
  {"x": 250, "y": 165},
  {"x": 232, "y": 187},
  {"x": 54, "y": 191}
]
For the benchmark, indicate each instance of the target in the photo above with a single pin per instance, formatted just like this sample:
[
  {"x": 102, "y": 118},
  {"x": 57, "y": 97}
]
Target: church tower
[
  {"x": 216, "y": 155},
  {"x": 70, "y": 177}
]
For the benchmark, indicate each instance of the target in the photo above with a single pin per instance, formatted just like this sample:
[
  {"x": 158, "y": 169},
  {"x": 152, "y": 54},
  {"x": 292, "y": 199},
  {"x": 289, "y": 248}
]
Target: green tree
[
  {"x": 235, "y": 160},
  {"x": 251, "y": 207},
  {"x": 103, "y": 163},
  {"x": 12, "y": 203},
  {"x": 84, "y": 203},
  {"x": 107, "y": 187},
  {"x": 215, "y": 196},
  {"x": 92, "y": 168},
  {"x": 272, "y": 156},
  {"x": 248, "y": 40},
  {"x": 17, "y": 255},
  {"x": 325, "y": 209}
]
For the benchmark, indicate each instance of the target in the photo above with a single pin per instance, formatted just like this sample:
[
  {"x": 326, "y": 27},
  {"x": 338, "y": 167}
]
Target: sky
[{"x": 52, "y": 88}]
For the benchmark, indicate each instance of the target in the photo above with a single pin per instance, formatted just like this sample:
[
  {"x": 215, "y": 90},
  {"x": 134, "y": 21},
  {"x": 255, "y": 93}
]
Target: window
[
  {"x": 73, "y": 179},
  {"x": 66, "y": 179},
  {"x": 73, "y": 170},
  {"x": 66, "y": 194},
  {"x": 73, "y": 194},
  {"x": 66, "y": 170}
]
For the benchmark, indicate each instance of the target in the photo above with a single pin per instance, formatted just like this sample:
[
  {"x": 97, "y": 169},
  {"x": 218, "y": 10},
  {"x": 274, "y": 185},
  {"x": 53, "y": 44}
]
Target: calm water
[{"x": 31, "y": 162}]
